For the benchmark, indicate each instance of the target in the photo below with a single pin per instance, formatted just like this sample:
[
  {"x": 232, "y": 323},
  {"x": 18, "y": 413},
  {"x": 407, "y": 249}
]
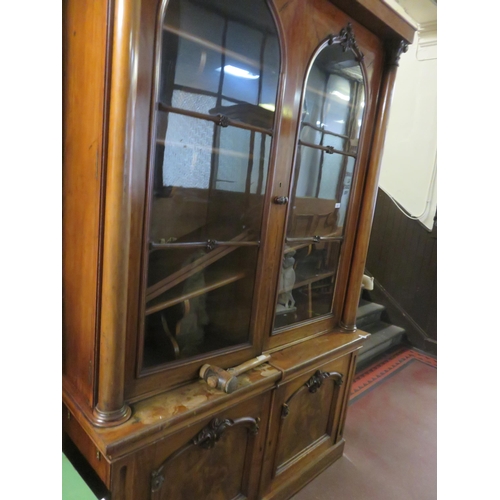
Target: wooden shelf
[
  {"x": 222, "y": 278},
  {"x": 195, "y": 267},
  {"x": 310, "y": 280}
]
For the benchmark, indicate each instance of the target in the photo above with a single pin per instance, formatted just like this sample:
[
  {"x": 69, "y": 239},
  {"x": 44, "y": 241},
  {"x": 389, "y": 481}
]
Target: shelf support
[
  {"x": 394, "y": 49},
  {"x": 111, "y": 409}
]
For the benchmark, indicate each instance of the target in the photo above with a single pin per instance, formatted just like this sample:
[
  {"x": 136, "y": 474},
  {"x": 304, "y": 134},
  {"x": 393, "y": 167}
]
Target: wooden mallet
[{"x": 226, "y": 380}]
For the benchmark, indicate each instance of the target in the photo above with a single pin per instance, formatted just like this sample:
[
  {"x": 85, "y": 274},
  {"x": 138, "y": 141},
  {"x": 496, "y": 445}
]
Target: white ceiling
[
  {"x": 417, "y": 12},
  {"x": 422, "y": 11}
]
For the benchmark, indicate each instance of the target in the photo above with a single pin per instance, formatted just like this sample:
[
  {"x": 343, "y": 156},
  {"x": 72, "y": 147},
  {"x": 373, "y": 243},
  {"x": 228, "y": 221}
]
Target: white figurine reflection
[{"x": 286, "y": 302}]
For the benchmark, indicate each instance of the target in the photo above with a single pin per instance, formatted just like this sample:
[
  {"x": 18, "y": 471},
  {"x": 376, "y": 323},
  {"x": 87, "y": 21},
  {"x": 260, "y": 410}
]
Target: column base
[{"x": 111, "y": 418}]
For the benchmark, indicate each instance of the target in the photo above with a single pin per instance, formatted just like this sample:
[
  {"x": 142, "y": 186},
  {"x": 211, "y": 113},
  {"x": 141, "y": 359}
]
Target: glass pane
[
  {"x": 332, "y": 114},
  {"x": 306, "y": 282},
  {"x": 226, "y": 50},
  {"x": 334, "y": 101},
  {"x": 184, "y": 207},
  {"x": 208, "y": 181},
  {"x": 198, "y": 300}
]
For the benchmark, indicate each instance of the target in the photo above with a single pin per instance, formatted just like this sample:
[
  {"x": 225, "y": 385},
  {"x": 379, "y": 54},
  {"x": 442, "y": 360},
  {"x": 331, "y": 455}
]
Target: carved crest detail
[
  {"x": 395, "y": 49},
  {"x": 347, "y": 41}
]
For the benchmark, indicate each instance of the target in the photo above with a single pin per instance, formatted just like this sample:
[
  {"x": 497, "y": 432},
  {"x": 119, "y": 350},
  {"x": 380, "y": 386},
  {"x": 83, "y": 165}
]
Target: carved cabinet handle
[
  {"x": 313, "y": 384},
  {"x": 206, "y": 439},
  {"x": 208, "y": 436}
]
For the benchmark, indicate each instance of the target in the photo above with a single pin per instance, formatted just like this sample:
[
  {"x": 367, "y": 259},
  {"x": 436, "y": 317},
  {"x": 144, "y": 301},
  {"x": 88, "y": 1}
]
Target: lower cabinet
[
  {"x": 217, "y": 458},
  {"x": 275, "y": 433},
  {"x": 305, "y": 431}
]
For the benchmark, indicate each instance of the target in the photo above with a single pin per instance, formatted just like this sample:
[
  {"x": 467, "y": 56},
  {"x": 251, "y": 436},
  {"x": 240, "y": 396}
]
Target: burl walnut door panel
[
  {"x": 218, "y": 459},
  {"x": 306, "y": 416}
]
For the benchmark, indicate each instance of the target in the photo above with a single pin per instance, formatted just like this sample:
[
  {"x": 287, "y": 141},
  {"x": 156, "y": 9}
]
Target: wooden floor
[{"x": 390, "y": 434}]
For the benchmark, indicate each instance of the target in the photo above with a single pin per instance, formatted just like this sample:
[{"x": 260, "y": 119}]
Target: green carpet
[{"x": 73, "y": 486}]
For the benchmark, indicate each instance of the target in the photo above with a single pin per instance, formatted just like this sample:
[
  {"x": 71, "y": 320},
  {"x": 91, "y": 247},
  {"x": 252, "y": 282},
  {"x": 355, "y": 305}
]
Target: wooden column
[
  {"x": 394, "y": 50},
  {"x": 110, "y": 409}
]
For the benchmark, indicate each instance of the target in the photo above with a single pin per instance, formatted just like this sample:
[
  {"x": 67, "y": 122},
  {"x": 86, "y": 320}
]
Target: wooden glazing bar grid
[
  {"x": 326, "y": 132},
  {"x": 314, "y": 239},
  {"x": 203, "y": 244},
  {"x": 327, "y": 149},
  {"x": 219, "y": 119}
]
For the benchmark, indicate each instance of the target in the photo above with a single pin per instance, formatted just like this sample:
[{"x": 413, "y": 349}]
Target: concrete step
[
  {"x": 368, "y": 313},
  {"x": 383, "y": 337}
]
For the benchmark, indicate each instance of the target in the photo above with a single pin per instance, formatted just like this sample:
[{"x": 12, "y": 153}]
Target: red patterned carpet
[
  {"x": 390, "y": 433},
  {"x": 389, "y": 365}
]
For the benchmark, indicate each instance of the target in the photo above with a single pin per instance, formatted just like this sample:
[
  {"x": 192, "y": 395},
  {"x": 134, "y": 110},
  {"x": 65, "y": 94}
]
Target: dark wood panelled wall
[{"x": 402, "y": 257}]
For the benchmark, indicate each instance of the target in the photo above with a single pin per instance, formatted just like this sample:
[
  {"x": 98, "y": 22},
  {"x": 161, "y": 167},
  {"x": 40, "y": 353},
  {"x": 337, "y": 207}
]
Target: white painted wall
[{"x": 408, "y": 171}]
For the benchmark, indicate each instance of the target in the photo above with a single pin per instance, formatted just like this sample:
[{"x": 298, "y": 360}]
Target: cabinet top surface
[{"x": 160, "y": 415}]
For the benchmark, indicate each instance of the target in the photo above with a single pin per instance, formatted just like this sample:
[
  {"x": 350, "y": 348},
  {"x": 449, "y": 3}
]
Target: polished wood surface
[
  {"x": 301, "y": 357},
  {"x": 298, "y": 18},
  {"x": 99, "y": 463},
  {"x": 161, "y": 415},
  {"x": 110, "y": 407},
  {"x": 304, "y": 427},
  {"x": 379, "y": 18},
  {"x": 225, "y": 474},
  {"x": 83, "y": 150},
  {"x": 370, "y": 197},
  {"x": 135, "y": 421}
]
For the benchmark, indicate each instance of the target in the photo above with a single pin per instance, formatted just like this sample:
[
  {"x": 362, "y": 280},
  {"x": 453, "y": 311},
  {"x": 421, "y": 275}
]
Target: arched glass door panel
[
  {"x": 332, "y": 114},
  {"x": 218, "y": 72}
]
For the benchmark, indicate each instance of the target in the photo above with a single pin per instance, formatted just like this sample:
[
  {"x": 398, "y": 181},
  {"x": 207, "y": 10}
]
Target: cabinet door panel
[
  {"x": 219, "y": 459},
  {"x": 218, "y": 471},
  {"x": 305, "y": 421},
  {"x": 307, "y": 415}
]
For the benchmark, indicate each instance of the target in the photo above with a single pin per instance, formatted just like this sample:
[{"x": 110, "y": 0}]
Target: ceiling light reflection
[
  {"x": 341, "y": 96},
  {"x": 239, "y": 72}
]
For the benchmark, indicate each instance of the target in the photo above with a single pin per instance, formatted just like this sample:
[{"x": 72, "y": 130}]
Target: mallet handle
[{"x": 248, "y": 365}]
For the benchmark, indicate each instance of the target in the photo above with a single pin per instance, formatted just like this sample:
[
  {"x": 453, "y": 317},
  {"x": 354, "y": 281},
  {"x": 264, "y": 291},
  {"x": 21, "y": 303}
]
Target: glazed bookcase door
[
  {"x": 325, "y": 163},
  {"x": 215, "y": 95}
]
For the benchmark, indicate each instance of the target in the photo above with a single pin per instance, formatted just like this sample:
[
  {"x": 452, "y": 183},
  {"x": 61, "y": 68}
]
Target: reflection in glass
[
  {"x": 226, "y": 50},
  {"x": 332, "y": 113},
  {"x": 306, "y": 282},
  {"x": 203, "y": 303},
  {"x": 218, "y": 78}
]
